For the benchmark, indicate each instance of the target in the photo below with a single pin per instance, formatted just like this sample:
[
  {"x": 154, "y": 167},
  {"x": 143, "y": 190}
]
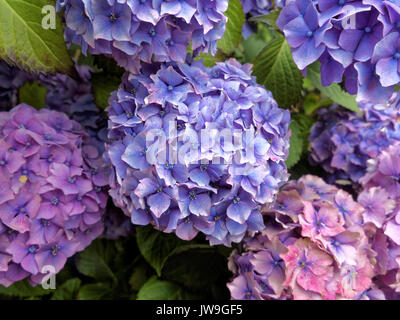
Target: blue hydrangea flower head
[
  {"x": 134, "y": 30},
  {"x": 196, "y": 149}
]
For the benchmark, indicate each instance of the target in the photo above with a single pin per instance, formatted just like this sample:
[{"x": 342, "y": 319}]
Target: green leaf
[
  {"x": 103, "y": 85},
  {"x": 275, "y": 69},
  {"x": 155, "y": 289},
  {"x": 96, "y": 259},
  {"x": 95, "y": 291},
  {"x": 156, "y": 246},
  {"x": 25, "y": 43},
  {"x": 139, "y": 276},
  {"x": 269, "y": 19},
  {"x": 68, "y": 290},
  {"x": 296, "y": 145},
  {"x": 334, "y": 91},
  {"x": 23, "y": 289},
  {"x": 233, "y": 32},
  {"x": 33, "y": 94}
]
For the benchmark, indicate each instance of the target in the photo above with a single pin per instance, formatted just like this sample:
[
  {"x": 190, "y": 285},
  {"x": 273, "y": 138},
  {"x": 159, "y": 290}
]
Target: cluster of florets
[
  {"x": 343, "y": 141},
  {"x": 314, "y": 247},
  {"x": 51, "y": 195},
  {"x": 355, "y": 39},
  {"x": 197, "y": 149},
  {"x": 146, "y": 30},
  {"x": 11, "y": 79}
]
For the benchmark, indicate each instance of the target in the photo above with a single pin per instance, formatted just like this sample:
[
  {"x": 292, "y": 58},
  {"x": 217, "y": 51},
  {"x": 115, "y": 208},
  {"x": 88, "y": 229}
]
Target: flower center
[
  {"x": 45, "y": 222},
  {"x": 113, "y": 17},
  {"x": 192, "y": 195},
  {"x": 54, "y": 201},
  {"x": 152, "y": 32},
  {"x": 22, "y": 210},
  {"x": 169, "y": 166},
  {"x": 129, "y": 115},
  {"x": 33, "y": 248},
  {"x": 71, "y": 179},
  {"x": 54, "y": 250}
]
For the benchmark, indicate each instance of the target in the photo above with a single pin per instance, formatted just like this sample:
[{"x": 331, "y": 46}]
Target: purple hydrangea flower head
[
  {"x": 196, "y": 149},
  {"x": 134, "y": 30},
  {"x": 353, "y": 39},
  {"x": 314, "y": 247},
  {"x": 342, "y": 142},
  {"x": 51, "y": 195}
]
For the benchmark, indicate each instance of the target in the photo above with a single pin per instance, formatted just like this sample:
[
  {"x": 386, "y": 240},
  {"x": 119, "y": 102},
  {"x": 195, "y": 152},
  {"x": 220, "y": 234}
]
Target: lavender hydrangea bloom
[
  {"x": 309, "y": 250},
  {"x": 51, "y": 196},
  {"x": 342, "y": 141},
  {"x": 177, "y": 165},
  {"x": 134, "y": 30},
  {"x": 353, "y": 39}
]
